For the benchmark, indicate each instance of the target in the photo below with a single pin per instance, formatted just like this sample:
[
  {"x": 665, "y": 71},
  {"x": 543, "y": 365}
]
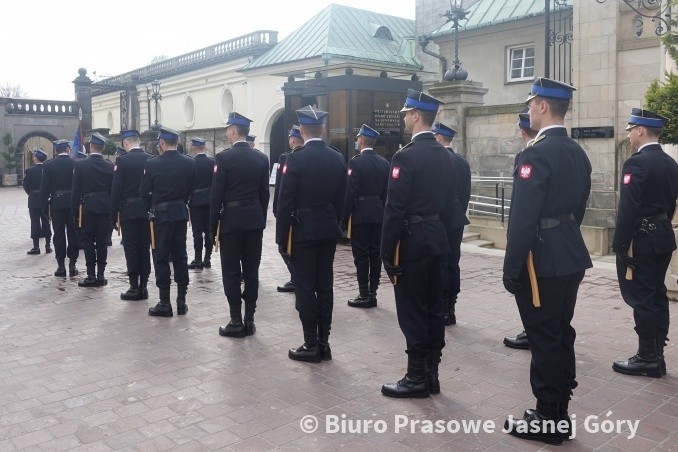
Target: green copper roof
[
  {"x": 485, "y": 13},
  {"x": 341, "y": 32}
]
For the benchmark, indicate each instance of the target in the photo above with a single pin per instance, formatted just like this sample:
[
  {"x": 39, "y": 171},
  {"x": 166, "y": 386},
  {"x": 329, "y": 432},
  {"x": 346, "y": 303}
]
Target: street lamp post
[
  {"x": 455, "y": 15},
  {"x": 156, "y": 96}
]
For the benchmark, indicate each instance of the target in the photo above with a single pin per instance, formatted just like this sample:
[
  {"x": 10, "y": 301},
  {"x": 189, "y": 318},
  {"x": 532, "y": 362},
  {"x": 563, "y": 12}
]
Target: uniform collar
[
  {"x": 422, "y": 133},
  {"x": 312, "y": 139},
  {"x": 654, "y": 143},
  {"x": 547, "y": 128},
  {"x": 367, "y": 149}
]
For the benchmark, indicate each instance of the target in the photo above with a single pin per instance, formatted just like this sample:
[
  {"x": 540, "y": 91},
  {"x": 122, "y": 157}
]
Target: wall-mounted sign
[
  {"x": 387, "y": 120},
  {"x": 592, "y": 132}
]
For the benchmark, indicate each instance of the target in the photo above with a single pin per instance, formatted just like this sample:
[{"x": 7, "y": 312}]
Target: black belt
[
  {"x": 198, "y": 190},
  {"x": 364, "y": 197},
  {"x": 58, "y": 193},
  {"x": 658, "y": 217},
  {"x": 312, "y": 208},
  {"x": 35, "y": 191},
  {"x": 552, "y": 222},
  {"x": 95, "y": 193},
  {"x": 133, "y": 199},
  {"x": 163, "y": 205},
  {"x": 242, "y": 202},
  {"x": 414, "y": 219}
]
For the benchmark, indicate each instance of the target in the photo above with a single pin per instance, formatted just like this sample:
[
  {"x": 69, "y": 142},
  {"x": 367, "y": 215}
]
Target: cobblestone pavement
[{"x": 82, "y": 370}]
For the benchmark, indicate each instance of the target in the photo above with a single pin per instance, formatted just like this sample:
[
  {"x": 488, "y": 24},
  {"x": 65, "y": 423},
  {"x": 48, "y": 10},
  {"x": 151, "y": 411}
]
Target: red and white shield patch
[
  {"x": 627, "y": 178},
  {"x": 525, "y": 171},
  {"x": 215, "y": 168},
  {"x": 395, "y": 173},
  {"x": 284, "y": 171},
  {"x": 350, "y": 170}
]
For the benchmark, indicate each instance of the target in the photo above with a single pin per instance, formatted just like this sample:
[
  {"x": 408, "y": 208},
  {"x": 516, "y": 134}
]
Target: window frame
[{"x": 509, "y": 67}]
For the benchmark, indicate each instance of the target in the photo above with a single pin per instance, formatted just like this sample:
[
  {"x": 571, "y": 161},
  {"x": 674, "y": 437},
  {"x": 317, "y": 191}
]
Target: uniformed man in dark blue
[
  {"x": 366, "y": 186},
  {"x": 644, "y": 240},
  {"x": 307, "y": 227},
  {"x": 238, "y": 208},
  {"x": 165, "y": 188},
  {"x": 551, "y": 187},
  {"x": 418, "y": 219},
  {"x": 251, "y": 140},
  {"x": 120, "y": 151},
  {"x": 130, "y": 214},
  {"x": 294, "y": 142},
  {"x": 39, "y": 220},
  {"x": 199, "y": 205},
  {"x": 521, "y": 341},
  {"x": 55, "y": 195},
  {"x": 452, "y": 273},
  {"x": 91, "y": 198}
]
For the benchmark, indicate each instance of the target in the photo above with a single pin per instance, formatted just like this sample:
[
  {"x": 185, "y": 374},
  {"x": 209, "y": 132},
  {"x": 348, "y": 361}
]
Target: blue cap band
[
  {"x": 647, "y": 122},
  {"x": 421, "y": 105},
  {"x": 553, "y": 93}
]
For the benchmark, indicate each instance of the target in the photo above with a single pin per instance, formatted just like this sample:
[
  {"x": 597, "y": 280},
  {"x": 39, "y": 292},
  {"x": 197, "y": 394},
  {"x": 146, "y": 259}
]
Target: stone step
[
  {"x": 470, "y": 236},
  {"x": 480, "y": 243}
]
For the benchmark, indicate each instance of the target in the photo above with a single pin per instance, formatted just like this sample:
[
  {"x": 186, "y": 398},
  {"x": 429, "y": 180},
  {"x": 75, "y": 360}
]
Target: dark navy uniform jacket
[
  {"x": 421, "y": 182},
  {"x": 313, "y": 189},
  {"x": 57, "y": 182},
  {"x": 125, "y": 198},
  {"x": 367, "y": 177},
  {"x": 552, "y": 178},
  {"x": 648, "y": 187},
  {"x": 278, "y": 179},
  {"x": 31, "y": 184},
  {"x": 166, "y": 185},
  {"x": 240, "y": 192},
  {"x": 463, "y": 179},
  {"x": 92, "y": 180},
  {"x": 204, "y": 170}
]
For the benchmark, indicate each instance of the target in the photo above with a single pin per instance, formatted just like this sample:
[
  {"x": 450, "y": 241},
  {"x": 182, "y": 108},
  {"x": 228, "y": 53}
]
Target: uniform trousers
[
  {"x": 39, "y": 224},
  {"x": 200, "y": 227},
  {"x": 451, "y": 270},
  {"x": 419, "y": 305},
  {"x": 365, "y": 242},
  {"x": 552, "y": 369},
  {"x": 312, "y": 269},
  {"x": 646, "y": 294},
  {"x": 170, "y": 239},
  {"x": 241, "y": 249},
  {"x": 64, "y": 228},
  {"x": 136, "y": 240},
  {"x": 96, "y": 230}
]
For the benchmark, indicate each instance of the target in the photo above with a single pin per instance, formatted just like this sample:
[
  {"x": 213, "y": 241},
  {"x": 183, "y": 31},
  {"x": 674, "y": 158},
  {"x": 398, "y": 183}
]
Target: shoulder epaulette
[
  {"x": 405, "y": 147},
  {"x": 536, "y": 140}
]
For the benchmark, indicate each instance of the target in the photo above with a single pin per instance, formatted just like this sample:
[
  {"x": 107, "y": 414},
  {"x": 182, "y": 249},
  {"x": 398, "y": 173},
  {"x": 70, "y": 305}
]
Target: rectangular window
[{"x": 521, "y": 63}]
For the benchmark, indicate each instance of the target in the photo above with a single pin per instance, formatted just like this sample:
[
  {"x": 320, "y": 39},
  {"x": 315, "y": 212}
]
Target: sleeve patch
[
  {"x": 284, "y": 171},
  {"x": 525, "y": 171},
  {"x": 395, "y": 172},
  {"x": 350, "y": 170},
  {"x": 627, "y": 178}
]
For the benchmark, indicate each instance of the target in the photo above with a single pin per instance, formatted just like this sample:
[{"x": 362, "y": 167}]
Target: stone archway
[
  {"x": 275, "y": 133},
  {"x": 37, "y": 139}
]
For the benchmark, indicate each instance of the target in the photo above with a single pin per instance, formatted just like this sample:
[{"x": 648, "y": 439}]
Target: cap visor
[
  {"x": 406, "y": 109},
  {"x": 631, "y": 126},
  {"x": 530, "y": 97}
]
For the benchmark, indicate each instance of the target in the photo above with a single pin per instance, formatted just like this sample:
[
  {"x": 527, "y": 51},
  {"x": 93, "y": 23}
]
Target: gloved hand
[
  {"x": 512, "y": 285},
  {"x": 114, "y": 224},
  {"x": 392, "y": 270},
  {"x": 623, "y": 256},
  {"x": 283, "y": 251}
]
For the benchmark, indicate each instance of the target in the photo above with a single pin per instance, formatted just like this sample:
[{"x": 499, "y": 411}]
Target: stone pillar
[
  {"x": 457, "y": 95},
  {"x": 83, "y": 96}
]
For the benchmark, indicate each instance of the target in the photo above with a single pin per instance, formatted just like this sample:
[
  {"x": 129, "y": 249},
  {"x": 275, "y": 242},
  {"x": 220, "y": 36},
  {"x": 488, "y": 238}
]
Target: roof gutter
[{"x": 423, "y": 42}]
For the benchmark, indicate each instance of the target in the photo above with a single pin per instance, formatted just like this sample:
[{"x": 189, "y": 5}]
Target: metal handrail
[{"x": 493, "y": 206}]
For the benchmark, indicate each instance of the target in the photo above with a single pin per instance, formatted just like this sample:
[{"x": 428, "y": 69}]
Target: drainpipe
[{"x": 423, "y": 42}]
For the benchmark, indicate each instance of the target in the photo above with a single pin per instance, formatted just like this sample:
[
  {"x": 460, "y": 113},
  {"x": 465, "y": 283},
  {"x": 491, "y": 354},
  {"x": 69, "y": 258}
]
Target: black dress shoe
[
  {"x": 287, "y": 287},
  {"x": 207, "y": 263},
  {"x": 309, "y": 354},
  {"x": 161, "y": 310},
  {"x": 407, "y": 388},
  {"x": 72, "y": 271},
  {"x": 60, "y": 271},
  {"x": 102, "y": 281},
  {"x": 520, "y": 342},
  {"x": 131, "y": 295},
  {"x": 33, "y": 251},
  {"x": 90, "y": 281},
  {"x": 250, "y": 328},
  {"x": 232, "y": 330},
  {"x": 536, "y": 427},
  {"x": 363, "y": 302},
  {"x": 195, "y": 265},
  {"x": 144, "y": 294}
]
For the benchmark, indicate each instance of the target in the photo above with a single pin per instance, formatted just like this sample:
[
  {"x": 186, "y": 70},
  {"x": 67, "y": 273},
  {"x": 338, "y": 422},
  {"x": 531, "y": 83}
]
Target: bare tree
[
  {"x": 158, "y": 59},
  {"x": 10, "y": 90}
]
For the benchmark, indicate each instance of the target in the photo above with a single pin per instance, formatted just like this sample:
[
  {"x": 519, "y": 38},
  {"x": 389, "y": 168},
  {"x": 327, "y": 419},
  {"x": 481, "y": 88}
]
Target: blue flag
[{"x": 77, "y": 143}]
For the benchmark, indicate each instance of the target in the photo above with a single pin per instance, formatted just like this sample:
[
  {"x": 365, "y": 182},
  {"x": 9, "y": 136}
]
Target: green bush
[
  {"x": 662, "y": 98},
  {"x": 8, "y": 155}
]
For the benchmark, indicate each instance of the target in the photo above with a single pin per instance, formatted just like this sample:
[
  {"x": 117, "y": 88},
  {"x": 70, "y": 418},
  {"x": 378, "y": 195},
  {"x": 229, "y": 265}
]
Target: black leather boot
[
  {"x": 72, "y": 270},
  {"x": 181, "y": 300},
  {"x": 250, "y": 328},
  {"x": 309, "y": 351},
  {"x": 48, "y": 248},
  {"x": 89, "y": 281},
  {"x": 644, "y": 363},
  {"x": 431, "y": 368},
  {"x": 520, "y": 341},
  {"x": 101, "y": 280},
  {"x": 133, "y": 293},
  {"x": 164, "y": 307},
  {"x": 207, "y": 262},
  {"x": 565, "y": 416},
  {"x": 235, "y": 327},
  {"x": 363, "y": 300},
  {"x": 661, "y": 343},
  {"x": 374, "y": 285},
  {"x": 451, "y": 310},
  {"x": 196, "y": 264},
  {"x": 61, "y": 269},
  {"x": 413, "y": 384},
  {"x": 143, "y": 287},
  {"x": 533, "y": 425},
  {"x": 323, "y": 342},
  {"x": 36, "y": 247}
]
